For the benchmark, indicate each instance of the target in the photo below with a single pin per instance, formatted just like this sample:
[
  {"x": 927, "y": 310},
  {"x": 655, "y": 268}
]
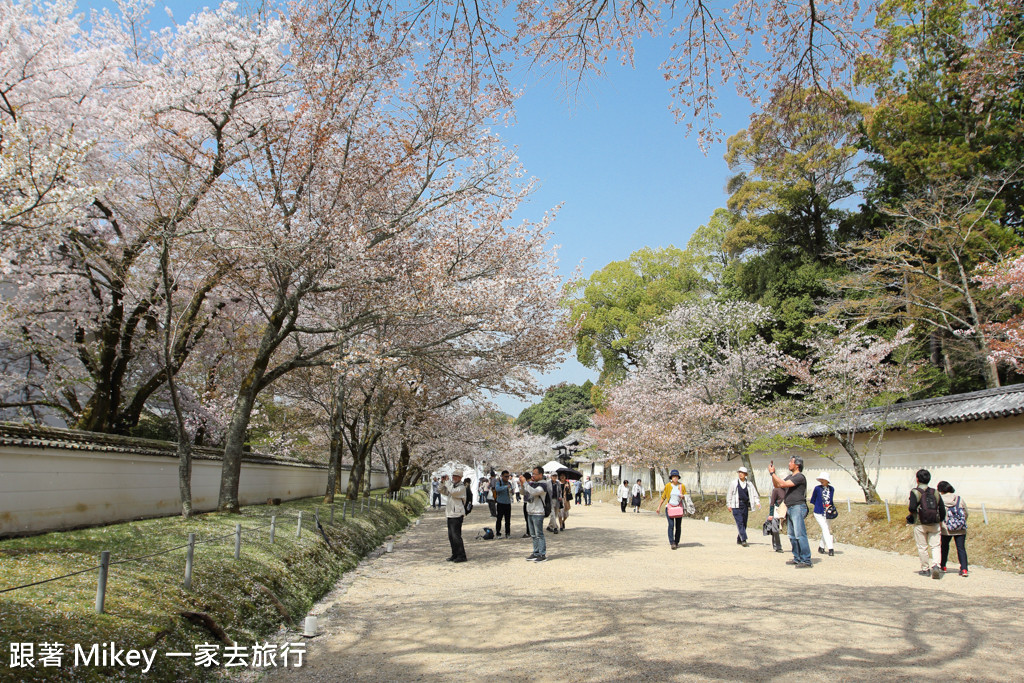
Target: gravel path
[{"x": 614, "y": 602}]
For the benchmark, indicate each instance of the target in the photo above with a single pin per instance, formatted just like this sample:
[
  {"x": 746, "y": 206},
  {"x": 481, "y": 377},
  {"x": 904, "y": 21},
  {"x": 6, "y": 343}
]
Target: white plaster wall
[
  {"x": 983, "y": 460},
  {"x": 53, "y": 488}
]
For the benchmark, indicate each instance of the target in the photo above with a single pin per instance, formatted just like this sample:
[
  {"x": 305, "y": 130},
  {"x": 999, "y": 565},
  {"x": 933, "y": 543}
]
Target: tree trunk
[
  {"x": 398, "y": 480},
  {"x": 234, "y": 443},
  {"x": 333, "y": 468},
  {"x": 355, "y": 476},
  {"x": 745, "y": 459},
  {"x": 860, "y": 471}
]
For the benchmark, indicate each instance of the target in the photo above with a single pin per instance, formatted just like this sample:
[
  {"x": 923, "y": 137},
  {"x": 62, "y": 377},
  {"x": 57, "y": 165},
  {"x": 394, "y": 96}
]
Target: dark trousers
[
  {"x": 624, "y": 501},
  {"x": 435, "y": 500},
  {"x": 526, "y": 517},
  {"x": 740, "y": 515},
  {"x": 455, "y": 538},
  {"x": 675, "y": 528},
  {"x": 579, "y": 497},
  {"x": 504, "y": 512},
  {"x": 776, "y": 541},
  {"x": 492, "y": 504},
  {"x": 961, "y": 549},
  {"x": 586, "y": 496}
]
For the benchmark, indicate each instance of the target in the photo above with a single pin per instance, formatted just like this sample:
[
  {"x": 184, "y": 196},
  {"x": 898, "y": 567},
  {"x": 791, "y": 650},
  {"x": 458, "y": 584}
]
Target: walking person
[
  {"x": 503, "y": 503},
  {"x": 482, "y": 488},
  {"x": 741, "y": 497},
  {"x": 796, "y": 510},
  {"x": 515, "y": 487},
  {"x": 672, "y": 496},
  {"x": 588, "y": 489},
  {"x": 821, "y": 499},
  {"x": 557, "y": 499},
  {"x": 623, "y": 494},
  {"x": 927, "y": 512},
  {"x": 435, "y": 495},
  {"x": 776, "y": 513},
  {"x": 535, "y": 491},
  {"x": 954, "y": 527},
  {"x": 456, "y": 491},
  {"x": 563, "y": 511},
  {"x": 577, "y": 487},
  {"x": 492, "y": 496},
  {"x": 638, "y": 495}
]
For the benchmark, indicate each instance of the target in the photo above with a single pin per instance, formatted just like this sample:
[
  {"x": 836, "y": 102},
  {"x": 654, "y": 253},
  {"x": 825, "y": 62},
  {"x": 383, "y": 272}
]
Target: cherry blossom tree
[
  {"x": 700, "y": 389},
  {"x": 849, "y": 384},
  {"x": 1006, "y": 339}
]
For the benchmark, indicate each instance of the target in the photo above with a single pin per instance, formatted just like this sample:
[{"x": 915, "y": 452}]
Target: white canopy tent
[{"x": 553, "y": 467}]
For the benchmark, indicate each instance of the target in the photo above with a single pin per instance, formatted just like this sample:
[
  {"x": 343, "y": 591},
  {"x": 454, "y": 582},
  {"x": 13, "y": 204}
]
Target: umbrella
[{"x": 569, "y": 473}]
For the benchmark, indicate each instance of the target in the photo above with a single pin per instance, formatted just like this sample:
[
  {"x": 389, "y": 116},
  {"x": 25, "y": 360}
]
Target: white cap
[{"x": 744, "y": 470}]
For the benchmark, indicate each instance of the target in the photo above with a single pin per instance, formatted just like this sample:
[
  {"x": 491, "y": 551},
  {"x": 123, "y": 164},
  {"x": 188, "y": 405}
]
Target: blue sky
[{"x": 626, "y": 174}]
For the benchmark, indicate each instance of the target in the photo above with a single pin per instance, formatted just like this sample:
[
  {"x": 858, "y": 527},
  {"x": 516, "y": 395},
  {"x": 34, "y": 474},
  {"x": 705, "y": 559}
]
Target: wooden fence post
[
  {"x": 189, "y": 554},
  {"x": 101, "y": 583}
]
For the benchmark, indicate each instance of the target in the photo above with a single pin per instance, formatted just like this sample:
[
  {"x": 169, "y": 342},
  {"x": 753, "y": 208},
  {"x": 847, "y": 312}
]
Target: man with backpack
[
  {"x": 455, "y": 511},
  {"x": 927, "y": 512},
  {"x": 538, "y": 506}
]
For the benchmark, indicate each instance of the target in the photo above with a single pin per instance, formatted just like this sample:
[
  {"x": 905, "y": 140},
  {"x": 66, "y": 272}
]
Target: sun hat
[
  {"x": 673, "y": 473},
  {"x": 744, "y": 470},
  {"x": 823, "y": 476}
]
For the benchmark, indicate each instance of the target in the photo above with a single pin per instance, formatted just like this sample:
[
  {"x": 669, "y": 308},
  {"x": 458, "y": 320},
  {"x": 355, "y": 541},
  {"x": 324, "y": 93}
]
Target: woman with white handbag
[{"x": 673, "y": 495}]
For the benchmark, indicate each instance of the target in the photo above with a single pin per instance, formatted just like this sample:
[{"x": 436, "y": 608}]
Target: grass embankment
[
  {"x": 996, "y": 545},
  {"x": 271, "y": 585}
]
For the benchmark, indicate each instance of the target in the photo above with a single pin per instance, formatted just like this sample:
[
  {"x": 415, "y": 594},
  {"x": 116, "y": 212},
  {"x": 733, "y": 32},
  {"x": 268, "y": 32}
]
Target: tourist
[
  {"x": 563, "y": 511},
  {"x": 468, "y": 502},
  {"x": 503, "y": 503},
  {"x": 638, "y": 495},
  {"x": 588, "y": 487},
  {"x": 954, "y": 526},
  {"x": 927, "y": 512},
  {"x": 482, "y": 490},
  {"x": 455, "y": 511},
  {"x": 577, "y": 487},
  {"x": 515, "y": 487},
  {"x": 557, "y": 499},
  {"x": 741, "y": 497},
  {"x": 492, "y": 496},
  {"x": 796, "y": 510},
  {"x": 821, "y": 499},
  {"x": 535, "y": 490},
  {"x": 776, "y": 513},
  {"x": 435, "y": 495},
  {"x": 672, "y": 496},
  {"x": 623, "y": 494}
]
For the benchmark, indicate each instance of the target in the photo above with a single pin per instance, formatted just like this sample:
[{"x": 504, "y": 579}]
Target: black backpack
[{"x": 928, "y": 507}]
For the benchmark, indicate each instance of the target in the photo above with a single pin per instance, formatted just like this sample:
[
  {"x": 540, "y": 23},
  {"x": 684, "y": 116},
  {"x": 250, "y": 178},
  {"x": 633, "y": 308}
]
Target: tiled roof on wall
[
  {"x": 975, "y": 405},
  {"x": 34, "y": 436}
]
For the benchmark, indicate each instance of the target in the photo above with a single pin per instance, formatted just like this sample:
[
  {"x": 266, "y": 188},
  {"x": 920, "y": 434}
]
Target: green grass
[
  {"x": 996, "y": 545},
  {"x": 144, "y": 599}
]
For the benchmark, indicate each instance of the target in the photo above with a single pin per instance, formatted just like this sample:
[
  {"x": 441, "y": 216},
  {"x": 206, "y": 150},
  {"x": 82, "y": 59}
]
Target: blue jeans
[
  {"x": 798, "y": 533},
  {"x": 535, "y": 525},
  {"x": 741, "y": 515},
  {"x": 675, "y": 528},
  {"x": 586, "y": 496}
]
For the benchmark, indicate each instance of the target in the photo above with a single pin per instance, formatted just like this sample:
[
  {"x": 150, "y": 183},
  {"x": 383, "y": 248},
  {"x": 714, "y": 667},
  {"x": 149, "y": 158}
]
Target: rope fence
[{"x": 348, "y": 508}]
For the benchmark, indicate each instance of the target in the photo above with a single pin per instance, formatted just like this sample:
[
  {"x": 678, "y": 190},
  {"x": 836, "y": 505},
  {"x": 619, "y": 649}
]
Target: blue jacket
[
  {"x": 818, "y": 498},
  {"x": 503, "y": 491}
]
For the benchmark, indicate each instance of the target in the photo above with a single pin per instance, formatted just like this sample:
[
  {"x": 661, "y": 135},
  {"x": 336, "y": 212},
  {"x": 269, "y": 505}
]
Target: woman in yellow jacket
[{"x": 673, "y": 496}]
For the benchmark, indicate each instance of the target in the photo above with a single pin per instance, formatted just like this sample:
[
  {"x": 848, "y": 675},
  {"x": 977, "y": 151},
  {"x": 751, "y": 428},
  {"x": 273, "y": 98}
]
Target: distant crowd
[{"x": 938, "y": 515}]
